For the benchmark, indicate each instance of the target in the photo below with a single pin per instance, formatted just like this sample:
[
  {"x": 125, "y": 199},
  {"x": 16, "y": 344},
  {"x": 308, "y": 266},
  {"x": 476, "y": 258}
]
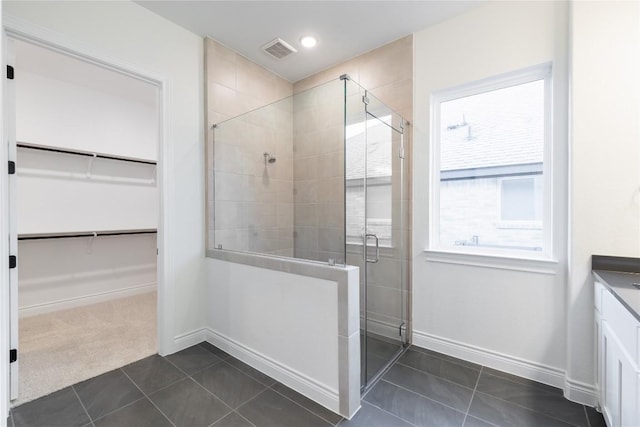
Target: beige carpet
[{"x": 62, "y": 348}]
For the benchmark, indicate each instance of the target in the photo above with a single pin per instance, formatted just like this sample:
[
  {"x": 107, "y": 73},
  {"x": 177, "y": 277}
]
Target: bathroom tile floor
[{"x": 204, "y": 386}]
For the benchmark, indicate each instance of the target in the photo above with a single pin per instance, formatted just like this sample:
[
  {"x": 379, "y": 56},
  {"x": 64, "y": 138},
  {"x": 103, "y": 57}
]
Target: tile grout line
[
  {"x": 122, "y": 407},
  {"x": 82, "y": 404},
  {"x": 384, "y": 372},
  {"x": 437, "y": 376},
  {"x": 304, "y": 407},
  {"x": 233, "y": 412},
  {"x": 250, "y": 376},
  {"x": 147, "y": 397},
  {"x": 584, "y": 409},
  {"x": 423, "y": 396},
  {"x": 472, "y": 396},
  {"x": 215, "y": 397},
  {"x": 390, "y": 413},
  {"x": 568, "y": 423},
  {"x": 446, "y": 357},
  {"x": 266, "y": 387}
]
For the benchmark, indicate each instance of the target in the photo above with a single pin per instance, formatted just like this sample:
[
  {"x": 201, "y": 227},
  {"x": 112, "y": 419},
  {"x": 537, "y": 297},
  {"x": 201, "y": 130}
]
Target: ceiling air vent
[{"x": 278, "y": 48}]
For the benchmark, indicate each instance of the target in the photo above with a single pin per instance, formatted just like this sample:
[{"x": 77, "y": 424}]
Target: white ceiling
[{"x": 344, "y": 29}]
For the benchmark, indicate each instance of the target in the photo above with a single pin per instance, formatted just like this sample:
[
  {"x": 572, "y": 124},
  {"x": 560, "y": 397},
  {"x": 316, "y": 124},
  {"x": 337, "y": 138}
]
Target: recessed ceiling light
[{"x": 308, "y": 41}]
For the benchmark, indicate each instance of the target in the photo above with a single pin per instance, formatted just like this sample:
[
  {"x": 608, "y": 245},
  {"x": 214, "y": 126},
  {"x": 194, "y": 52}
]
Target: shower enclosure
[{"x": 320, "y": 176}]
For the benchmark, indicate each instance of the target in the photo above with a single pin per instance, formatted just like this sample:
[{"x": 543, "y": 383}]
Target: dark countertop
[{"x": 620, "y": 285}]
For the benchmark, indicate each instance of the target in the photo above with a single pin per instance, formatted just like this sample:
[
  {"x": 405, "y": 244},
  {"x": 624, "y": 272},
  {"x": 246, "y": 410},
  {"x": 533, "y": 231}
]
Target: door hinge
[
  {"x": 365, "y": 100},
  {"x": 13, "y": 355},
  {"x": 12, "y": 167},
  {"x": 401, "y": 153},
  {"x": 9, "y": 72},
  {"x": 400, "y": 328},
  {"x": 13, "y": 261}
]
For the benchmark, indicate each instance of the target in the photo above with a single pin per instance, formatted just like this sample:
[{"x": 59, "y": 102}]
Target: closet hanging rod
[
  {"x": 83, "y": 153},
  {"x": 85, "y": 234}
]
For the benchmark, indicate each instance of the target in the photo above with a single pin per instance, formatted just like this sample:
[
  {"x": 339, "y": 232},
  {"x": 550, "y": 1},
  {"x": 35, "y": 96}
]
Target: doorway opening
[{"x": 84, "y": 218}]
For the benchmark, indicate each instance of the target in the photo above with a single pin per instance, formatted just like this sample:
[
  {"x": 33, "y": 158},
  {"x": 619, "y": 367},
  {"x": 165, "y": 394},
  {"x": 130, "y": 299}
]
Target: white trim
[
  {"x": 493, "y": 359},
  {"x": 66, "y": 303},
  {"x": 537, "y": 72},
  {"x": 575, "y": 391},
  {"x": 32, "y": 33},
  {"x": 188, "y": 339},
  {"x": 5, "y": 335},
  {"x": 530, "y": 265},
  {"x": 580, "y": 392},
  {"x": 314, "y": 390}
]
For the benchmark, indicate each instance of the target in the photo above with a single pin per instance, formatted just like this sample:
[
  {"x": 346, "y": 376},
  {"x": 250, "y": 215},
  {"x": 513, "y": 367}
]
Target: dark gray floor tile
[
  {"x": 595, "y": 418},
  {"x": 106, "y": 393},
  {"x": 229, "y": 384},
  {"x": 9, "y": 421},
  {"x": 271, "y": 409},
  {"x": 430, "y": 386},
  {"x": 215, "y": 350},
  {"x": 252, "y": 372},
  {"x": 412, "y": 407},
  {"x": 534, "y": 396},
  {"x": 475, "y": 422},
  {"x": 381, "y": 348},
  {"x": 193, "y": 359},
  {"x": 443, "y": 368},
  {"x": 370, "y": 416},
  {"x": 446, "y": 357},
  {"x": 233, "y": 420},
  {"x": 521, "y": 380},
  {"x": 139, "y": 414},
  {"x": 153, "y": 373},
  {"x": 62, "y": 408},
  {"x": 309, "y": 404},
  {"x": 187, "y": 404},
  {"x": 375, "y": 364},
  {"x": 501, "y": 413}
]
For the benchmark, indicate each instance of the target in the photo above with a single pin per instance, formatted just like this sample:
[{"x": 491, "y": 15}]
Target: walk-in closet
[{"x": 86, "y": 215}]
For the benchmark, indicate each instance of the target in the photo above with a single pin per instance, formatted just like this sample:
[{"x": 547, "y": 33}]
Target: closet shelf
[
  {"x": 83, "y": 153},
  {"x": 44, "y": 236}
]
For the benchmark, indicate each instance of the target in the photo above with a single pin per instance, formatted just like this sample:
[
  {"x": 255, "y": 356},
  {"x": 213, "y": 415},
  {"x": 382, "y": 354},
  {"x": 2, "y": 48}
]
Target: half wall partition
[{"x": 320, "y": 176}]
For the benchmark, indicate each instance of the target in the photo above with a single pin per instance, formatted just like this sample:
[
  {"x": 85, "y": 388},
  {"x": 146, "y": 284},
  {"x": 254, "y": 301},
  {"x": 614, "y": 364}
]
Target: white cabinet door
[{"x": 620, "y": 383}]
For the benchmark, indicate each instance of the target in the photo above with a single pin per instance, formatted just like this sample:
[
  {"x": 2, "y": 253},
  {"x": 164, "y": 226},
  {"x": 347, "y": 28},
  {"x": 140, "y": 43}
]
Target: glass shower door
[{"x": 376, "y": 202}]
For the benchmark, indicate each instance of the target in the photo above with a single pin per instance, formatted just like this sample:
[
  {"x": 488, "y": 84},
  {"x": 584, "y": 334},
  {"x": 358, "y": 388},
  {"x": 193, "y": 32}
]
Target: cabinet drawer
[
  {"x": 597, "y": 296},
  {"x": 622, "y": 322}
]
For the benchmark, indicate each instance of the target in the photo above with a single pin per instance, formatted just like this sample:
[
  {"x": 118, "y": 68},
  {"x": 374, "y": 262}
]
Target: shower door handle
[{"x": 377, "y": 258}]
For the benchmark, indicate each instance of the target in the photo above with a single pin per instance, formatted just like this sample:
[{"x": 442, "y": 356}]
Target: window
[{"x": 490, "y": 190}]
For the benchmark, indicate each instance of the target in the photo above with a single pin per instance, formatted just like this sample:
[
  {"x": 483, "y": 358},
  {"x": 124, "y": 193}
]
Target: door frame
[{"x": 20, "y": 30}]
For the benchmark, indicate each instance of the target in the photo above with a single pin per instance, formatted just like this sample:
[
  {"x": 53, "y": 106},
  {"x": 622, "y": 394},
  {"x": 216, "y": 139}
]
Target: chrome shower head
[{"x": 269, "y": 158}]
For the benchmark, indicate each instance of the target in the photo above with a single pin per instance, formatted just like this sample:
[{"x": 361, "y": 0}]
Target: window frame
[{"x": 539, "y": 72}]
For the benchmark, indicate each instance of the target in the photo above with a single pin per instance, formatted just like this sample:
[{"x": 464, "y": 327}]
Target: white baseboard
[
  {"x": 296, "y": 380},
  {"x": 63, "y": 304},
  {"x": 493, "y": 359},
  {"x": 573, "y": 390},
  {"x": 188, "y": 339},
  {"x": 580, "y": 392}
]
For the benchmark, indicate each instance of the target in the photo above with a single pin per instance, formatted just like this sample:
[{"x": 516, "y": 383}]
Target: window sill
[{"x": 531, "y": 265}]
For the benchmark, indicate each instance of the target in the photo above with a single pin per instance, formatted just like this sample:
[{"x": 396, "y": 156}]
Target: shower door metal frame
[{"x": 366, "y": 260}]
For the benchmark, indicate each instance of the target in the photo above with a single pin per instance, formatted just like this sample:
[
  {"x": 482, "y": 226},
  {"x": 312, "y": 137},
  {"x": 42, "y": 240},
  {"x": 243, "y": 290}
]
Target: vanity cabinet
[{"x": 617, "y": 360}]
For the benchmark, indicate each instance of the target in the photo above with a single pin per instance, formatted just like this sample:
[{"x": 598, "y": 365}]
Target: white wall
[
  {"x": 288, "y": 318},
  {"x": 509, "y": 319},
  {"x": 63, "y": 114},
  {"x": 139, "y": 40},
  {"x": 605, "y": 158}
]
